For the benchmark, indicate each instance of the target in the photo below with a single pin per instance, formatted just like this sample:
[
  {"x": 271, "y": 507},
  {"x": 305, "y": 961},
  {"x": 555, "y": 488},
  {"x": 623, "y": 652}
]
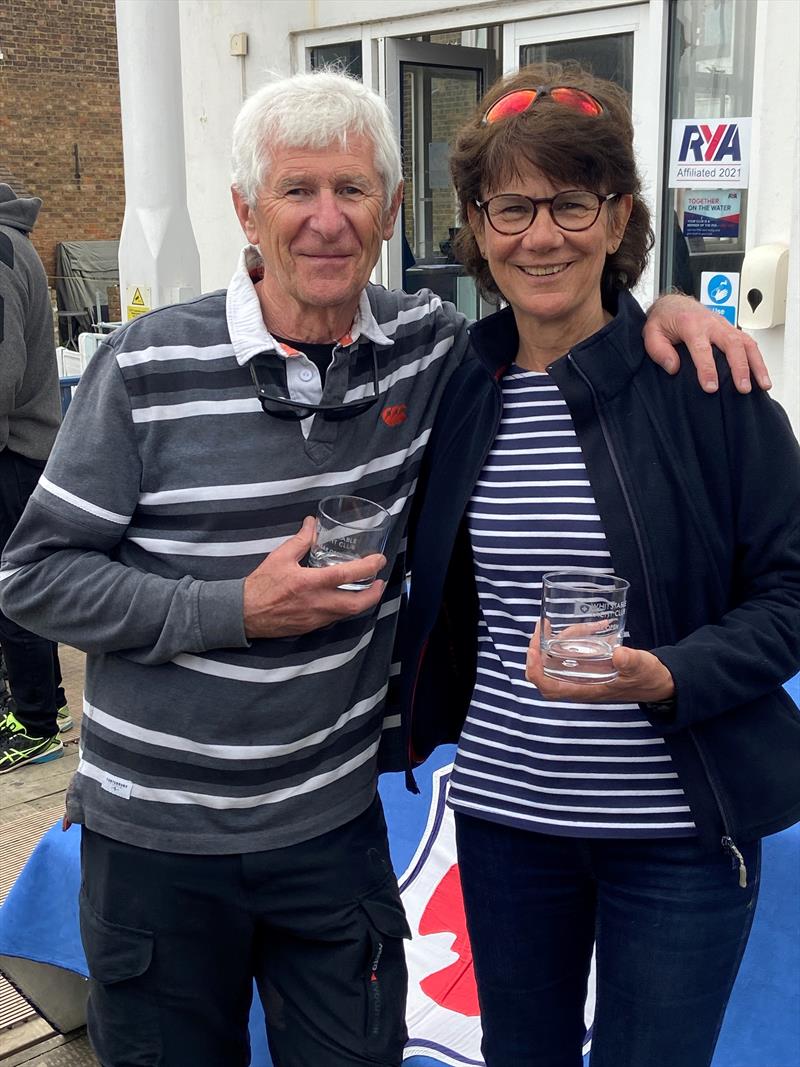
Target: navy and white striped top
[{"x": 580, "y": 770}]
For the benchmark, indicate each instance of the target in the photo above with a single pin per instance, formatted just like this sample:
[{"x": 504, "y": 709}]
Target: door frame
[
  {"x": 647, "y": 91},
  {"x": 421, "y": 53}
]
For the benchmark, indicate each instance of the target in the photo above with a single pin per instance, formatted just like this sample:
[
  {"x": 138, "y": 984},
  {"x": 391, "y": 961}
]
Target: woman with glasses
[{"x": 623, "y": 815}]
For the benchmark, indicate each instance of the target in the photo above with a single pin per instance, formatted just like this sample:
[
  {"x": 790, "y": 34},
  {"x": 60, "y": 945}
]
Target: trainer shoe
[
  {"x": 64, "y": 719},
  {"x": 17, "y": 747},
  {"x": 6, "y": 718}
]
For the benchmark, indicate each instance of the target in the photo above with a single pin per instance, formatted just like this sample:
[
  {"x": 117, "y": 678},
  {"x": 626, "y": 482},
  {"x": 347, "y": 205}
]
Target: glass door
[
  {"x": 711, "y": 58},
  {"x": 431, "y": 89},
  {"x": 611, "y": 42}
]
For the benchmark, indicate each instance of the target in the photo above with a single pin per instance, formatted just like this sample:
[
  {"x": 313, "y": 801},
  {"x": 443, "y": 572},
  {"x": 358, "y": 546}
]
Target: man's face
[{"x": 319, "y": 221}]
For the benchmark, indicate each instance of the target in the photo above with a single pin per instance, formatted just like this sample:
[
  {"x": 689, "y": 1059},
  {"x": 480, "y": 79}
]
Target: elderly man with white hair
[{"x": 236, "y": 700}]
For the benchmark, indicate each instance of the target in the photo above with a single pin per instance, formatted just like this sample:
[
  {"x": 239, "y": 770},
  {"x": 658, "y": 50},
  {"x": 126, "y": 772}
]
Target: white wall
[{"x": 211, "y": 99}]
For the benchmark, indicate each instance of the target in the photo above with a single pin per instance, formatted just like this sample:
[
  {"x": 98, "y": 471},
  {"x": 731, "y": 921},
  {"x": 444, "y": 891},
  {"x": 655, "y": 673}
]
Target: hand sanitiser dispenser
[{"x": 762, "y": 287}]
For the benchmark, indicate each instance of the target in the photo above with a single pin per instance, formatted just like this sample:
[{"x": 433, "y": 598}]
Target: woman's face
[{"x": 547, "y": 274}]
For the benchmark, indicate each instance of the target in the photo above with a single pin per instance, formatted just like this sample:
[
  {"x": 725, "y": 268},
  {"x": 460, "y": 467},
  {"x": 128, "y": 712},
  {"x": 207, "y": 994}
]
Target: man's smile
[{"x": 327, "y": 257}]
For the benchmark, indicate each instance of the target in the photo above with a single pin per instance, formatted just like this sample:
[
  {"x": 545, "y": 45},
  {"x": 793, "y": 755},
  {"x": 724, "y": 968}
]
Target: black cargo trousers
[{"x": 175, "y": 941}]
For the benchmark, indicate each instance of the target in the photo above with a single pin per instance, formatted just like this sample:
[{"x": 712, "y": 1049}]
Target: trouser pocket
[
  {"x": 122, "y": 1014},
  {"x": 385, "y": 973}
]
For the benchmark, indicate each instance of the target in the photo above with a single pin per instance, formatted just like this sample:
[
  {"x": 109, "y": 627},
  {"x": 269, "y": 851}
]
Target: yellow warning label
[{"x": 138, "y": 301}]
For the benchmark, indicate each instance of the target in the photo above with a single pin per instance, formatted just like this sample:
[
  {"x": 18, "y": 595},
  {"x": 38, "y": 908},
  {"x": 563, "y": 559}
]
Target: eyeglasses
[
  {"x": 572, "y": 210},
  {"x": 520, "y": 100},
  {"x": 273, "y": 403}
]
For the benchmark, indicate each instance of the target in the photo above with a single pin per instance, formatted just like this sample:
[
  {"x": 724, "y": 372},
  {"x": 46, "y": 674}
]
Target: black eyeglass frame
[
  {"x": 286, "y": 408},
  {"x": 483, "y": 205}
]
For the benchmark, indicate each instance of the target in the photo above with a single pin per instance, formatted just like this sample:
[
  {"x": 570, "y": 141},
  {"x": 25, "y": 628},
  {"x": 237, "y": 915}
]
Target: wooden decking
[{"x": 31, "y": 801}]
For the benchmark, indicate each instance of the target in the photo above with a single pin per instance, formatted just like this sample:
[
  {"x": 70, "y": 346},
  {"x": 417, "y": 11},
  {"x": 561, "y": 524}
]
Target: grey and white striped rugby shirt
[{"x": 167, "y": 485}]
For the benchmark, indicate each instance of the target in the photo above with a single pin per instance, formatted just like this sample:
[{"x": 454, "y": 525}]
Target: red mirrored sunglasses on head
[{"x": 520, "y": 100}]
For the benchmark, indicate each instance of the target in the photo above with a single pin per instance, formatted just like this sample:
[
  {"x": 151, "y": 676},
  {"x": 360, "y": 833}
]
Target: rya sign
[{"x": 710, "y": 153}]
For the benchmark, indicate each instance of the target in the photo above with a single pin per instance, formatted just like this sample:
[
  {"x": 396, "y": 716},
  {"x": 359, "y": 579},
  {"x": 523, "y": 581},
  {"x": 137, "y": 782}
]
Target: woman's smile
[{"x": 543, "y": 271}]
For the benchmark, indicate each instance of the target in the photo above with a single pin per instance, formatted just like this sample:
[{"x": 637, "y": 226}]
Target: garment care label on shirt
[{"x": 118, "y": 786}]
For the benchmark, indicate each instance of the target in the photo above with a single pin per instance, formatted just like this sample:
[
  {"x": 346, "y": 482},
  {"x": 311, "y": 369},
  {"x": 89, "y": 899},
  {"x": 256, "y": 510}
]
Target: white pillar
[{"x": 157, "y": 255}]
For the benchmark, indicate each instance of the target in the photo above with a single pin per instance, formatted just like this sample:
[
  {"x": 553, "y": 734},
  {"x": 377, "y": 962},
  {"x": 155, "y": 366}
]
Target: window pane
[
  {"x": 608, "y": 56},
  {"x": 435, "y": 102},
  {"x": 347, "y": 56}
]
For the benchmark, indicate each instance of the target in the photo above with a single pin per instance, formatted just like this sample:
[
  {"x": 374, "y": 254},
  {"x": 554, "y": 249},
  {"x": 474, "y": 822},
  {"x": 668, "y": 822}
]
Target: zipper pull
[{"x": 737, "y": 859}]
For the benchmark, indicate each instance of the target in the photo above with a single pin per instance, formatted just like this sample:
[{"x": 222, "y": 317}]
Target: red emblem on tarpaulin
[
  {"x": 443, "y": 1014},
  {"x": 453, "y": 987},
  {"x": 443, "y": 1018},
  {"x": 394, "y": 414}
]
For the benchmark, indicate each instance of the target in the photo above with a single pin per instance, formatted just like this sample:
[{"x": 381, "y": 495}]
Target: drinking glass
[
  {"x": 583, "y": 619},
  {"x": 348, "y": 528}
]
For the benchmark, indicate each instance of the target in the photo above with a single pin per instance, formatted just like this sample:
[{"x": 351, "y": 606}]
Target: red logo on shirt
[{"x": 394, "y": 414}]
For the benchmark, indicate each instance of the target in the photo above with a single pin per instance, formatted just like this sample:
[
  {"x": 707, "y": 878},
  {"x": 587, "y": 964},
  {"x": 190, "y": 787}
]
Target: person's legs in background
[
  {"x": 672, "y": 926},
  {"x": 63, "y": 714},
  {"x": 29, "y": 727},
  {"x": 530, "y": 907},
  {"x": 31, "y": 680}
]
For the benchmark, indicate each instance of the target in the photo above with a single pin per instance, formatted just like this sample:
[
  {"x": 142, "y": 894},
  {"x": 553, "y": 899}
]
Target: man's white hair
[{"x": 312, "y": 110}]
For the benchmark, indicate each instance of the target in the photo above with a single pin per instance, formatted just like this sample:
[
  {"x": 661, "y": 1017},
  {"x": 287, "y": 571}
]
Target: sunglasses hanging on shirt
[{"x": 276, "y": 403}]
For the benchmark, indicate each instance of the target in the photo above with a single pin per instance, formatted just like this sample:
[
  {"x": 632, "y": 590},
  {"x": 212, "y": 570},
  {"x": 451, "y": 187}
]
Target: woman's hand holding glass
[{"x": 641, "y": 678}]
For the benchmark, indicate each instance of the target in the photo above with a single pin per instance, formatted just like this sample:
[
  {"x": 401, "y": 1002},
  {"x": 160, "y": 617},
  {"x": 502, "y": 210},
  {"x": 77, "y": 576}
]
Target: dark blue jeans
[{"x": 669, "y": 921}]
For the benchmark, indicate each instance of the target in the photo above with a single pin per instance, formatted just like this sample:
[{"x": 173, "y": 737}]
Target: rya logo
[{"x": 710, "y": 144}]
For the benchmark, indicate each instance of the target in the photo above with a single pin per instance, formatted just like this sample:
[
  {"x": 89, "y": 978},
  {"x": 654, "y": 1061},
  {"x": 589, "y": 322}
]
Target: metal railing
[{"x": 67, "y": 386}]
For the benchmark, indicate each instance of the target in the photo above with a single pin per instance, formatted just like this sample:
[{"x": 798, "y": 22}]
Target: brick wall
[{"x": 59, "y": 87}]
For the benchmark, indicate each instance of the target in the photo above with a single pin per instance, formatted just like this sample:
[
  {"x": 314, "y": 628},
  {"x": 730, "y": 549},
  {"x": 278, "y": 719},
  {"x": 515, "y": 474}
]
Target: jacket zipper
[
  {"x": 411, "y": 783},
  {"x": 728, "y": 844}
]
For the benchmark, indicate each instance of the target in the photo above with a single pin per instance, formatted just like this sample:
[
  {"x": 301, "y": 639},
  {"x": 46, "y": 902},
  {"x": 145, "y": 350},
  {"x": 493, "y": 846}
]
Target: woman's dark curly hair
[{"x": 569, "y": 147}]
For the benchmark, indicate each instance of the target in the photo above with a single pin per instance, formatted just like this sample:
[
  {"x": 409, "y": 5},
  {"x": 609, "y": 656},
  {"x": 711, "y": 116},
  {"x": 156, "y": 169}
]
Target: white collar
[{"x": 249, "y": 333}]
